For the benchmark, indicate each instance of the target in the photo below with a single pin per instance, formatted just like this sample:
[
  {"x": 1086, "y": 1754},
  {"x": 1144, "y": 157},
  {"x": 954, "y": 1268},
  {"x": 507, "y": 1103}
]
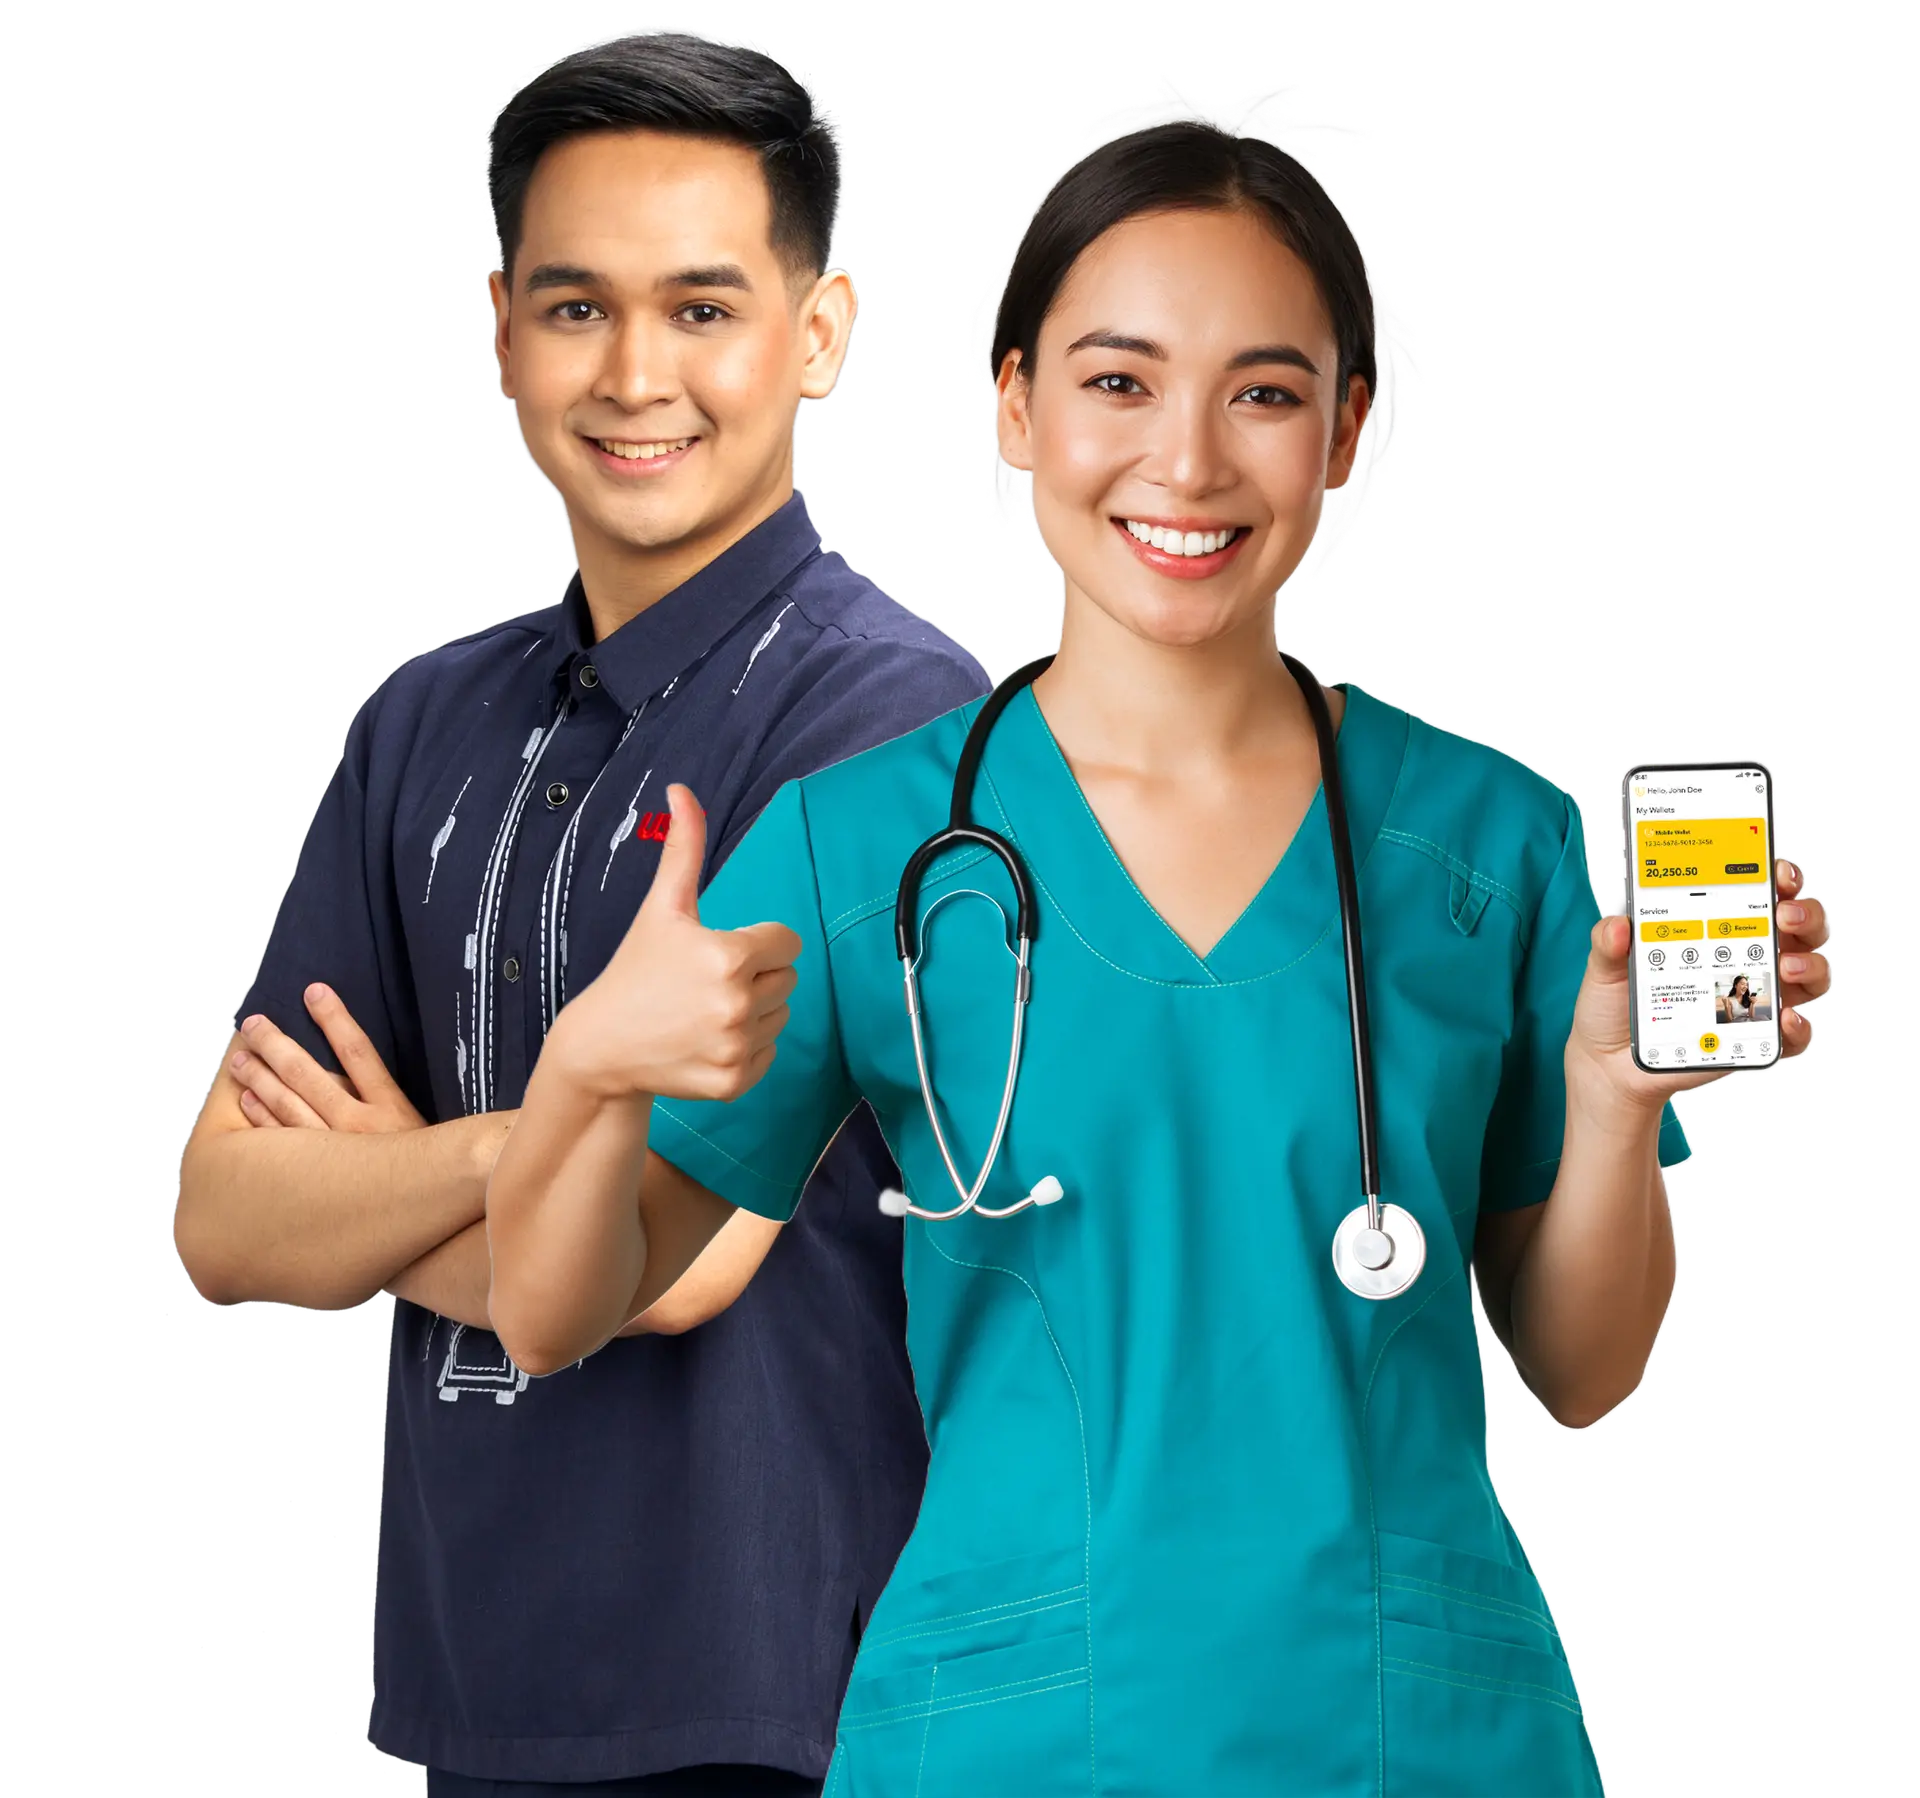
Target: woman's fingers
[
  {"x": 296, "y": 1071},
  {"x": 1804, "y": 921},
  {"x": 1795, "y": 1032},
  {"x": 1803, "y": 976}
]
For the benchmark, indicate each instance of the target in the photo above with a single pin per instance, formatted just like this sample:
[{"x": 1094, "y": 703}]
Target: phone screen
[{"x": 1704, "y": 964}]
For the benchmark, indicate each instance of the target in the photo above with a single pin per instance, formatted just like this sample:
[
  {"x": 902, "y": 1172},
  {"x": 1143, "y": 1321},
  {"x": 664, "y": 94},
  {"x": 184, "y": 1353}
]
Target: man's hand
[{"x": 283, "y": 1087}]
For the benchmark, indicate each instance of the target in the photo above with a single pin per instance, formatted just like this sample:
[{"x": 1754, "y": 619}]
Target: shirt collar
[{"x": 652, "y": 649}]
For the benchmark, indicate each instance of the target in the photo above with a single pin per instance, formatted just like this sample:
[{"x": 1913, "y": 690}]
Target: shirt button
[
  {"x": 589, "y": 675},
  {"x": 557, "y": 794},
  {"x": 511, "y": 967}
]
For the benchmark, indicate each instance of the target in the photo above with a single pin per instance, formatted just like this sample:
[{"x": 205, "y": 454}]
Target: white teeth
[
  {"x": 1180, "y": 543},
  {"x": 640, "y": 452}
]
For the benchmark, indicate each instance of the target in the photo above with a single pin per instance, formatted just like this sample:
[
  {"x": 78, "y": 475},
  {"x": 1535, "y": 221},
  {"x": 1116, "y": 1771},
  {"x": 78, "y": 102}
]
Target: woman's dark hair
[
  {"x": 1739, "y": 980},
  {"x": 670, "y": 81},
  {"x": 1189, "y": 166}
]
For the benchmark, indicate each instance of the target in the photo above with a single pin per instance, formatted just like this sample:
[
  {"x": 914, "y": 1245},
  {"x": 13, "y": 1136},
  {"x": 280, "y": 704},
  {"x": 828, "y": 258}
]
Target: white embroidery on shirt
[
  {"x": 492, "y": 897},
  {"x": 625, "y": 827},
  {"x": 488, "y": 1369},
  {"x": 558, "y": 887},
  {"x": 440, "y": 838},
  {"x": 766, "y": 637}
]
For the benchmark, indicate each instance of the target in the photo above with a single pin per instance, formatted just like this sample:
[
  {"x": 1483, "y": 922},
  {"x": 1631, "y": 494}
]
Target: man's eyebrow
[
  {"x": 562, "y": 274},
  {"x": 1265, "y": 353},
  {"x": 717, "y": 274},
  {"x": 571, "y": 274}
]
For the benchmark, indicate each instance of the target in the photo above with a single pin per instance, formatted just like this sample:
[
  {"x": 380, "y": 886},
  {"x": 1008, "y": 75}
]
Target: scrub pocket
[
  {"x": 1478, "y": 1698},
  {"x": 972, "y": 1693}
]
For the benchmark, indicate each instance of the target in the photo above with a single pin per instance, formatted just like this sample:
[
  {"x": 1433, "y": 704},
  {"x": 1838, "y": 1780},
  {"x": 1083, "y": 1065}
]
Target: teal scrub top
[{"x": 1198, "y": 1520}]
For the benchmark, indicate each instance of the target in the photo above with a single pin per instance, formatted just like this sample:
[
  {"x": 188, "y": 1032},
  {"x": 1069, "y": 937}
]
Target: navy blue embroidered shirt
[{"x": 663, "y": 1555}]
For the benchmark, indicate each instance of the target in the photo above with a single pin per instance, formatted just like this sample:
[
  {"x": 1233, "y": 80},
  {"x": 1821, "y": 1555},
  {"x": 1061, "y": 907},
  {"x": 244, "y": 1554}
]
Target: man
[{"x": 557, "y": 1602}]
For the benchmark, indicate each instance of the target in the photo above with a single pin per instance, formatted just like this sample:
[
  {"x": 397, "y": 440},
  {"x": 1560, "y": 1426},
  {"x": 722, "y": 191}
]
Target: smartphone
[{"x": 1704, "y": 972}]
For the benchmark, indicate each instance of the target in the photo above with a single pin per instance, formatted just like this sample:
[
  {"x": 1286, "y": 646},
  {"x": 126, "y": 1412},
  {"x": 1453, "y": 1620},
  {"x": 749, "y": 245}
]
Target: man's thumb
[{"x": 676, "y": 881}]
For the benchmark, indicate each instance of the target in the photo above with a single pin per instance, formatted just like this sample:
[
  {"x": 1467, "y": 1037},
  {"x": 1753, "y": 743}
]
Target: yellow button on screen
[
  {"x": 1701, "y": 852},
  {"x": 1669, "y": 930},
  {"x": 1709, "y": 1042},
  {"x": 1736, "y": 927}
]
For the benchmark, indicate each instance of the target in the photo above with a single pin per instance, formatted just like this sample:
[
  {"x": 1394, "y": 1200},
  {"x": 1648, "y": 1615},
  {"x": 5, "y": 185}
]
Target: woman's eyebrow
[
  {"x": 1273, "y": 352},
  {"x": 1115, "y": 340},
  {"x": 1264, "y": 354}
]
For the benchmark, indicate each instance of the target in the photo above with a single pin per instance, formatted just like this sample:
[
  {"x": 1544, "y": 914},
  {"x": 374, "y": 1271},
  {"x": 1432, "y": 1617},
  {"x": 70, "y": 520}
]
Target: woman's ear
[
  {"x": 1345, "y": 443},
  {"x": 1012, "y": 415}
]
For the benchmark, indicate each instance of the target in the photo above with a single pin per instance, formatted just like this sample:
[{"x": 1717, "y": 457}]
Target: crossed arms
[{"x": 311, "y": 1188}]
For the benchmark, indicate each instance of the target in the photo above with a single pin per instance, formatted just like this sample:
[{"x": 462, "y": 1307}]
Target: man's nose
[{"x": 639, "y": 367}]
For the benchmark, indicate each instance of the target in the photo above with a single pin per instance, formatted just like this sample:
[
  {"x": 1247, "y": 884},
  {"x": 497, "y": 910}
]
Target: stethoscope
[{"x": 1378, "y": 1250}]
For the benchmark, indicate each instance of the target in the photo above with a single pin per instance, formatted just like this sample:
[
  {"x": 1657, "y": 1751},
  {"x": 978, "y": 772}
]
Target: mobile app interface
[{"x": 1703, "y": 948}]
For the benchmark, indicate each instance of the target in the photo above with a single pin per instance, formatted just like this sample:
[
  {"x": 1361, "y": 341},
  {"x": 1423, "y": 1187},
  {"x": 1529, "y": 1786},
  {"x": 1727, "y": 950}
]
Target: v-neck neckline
[{"x": 1072, "y": 861}]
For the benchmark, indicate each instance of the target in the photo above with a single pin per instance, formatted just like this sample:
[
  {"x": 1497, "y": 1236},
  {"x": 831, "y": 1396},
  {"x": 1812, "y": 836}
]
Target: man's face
[{"x": 654, "y": 344}]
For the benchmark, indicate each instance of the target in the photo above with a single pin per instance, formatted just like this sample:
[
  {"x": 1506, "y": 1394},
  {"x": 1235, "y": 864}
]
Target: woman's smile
[{"x": 1189, "y": 549}]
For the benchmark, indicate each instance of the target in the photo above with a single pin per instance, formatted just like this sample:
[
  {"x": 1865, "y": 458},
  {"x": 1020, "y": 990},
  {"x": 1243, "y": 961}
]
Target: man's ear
[
  {"x": 826, "y": 323},
  {"x": 1345, "y": 444},
  {"x": 502, "y": 342},
  {"x": 1012, "y": 414}
]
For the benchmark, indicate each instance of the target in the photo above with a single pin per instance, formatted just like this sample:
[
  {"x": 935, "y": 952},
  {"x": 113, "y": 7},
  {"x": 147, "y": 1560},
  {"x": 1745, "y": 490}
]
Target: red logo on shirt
[{"x": 652, "y": 827}]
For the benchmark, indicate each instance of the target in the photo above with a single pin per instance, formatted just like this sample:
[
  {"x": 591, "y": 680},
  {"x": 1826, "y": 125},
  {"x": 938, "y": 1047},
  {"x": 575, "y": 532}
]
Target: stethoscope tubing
[
  {"x": 1365, "y": 1254},
  {"x": 1333, "y": 788}
]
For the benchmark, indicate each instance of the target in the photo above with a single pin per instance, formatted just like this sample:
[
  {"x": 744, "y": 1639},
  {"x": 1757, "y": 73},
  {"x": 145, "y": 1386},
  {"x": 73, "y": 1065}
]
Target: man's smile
[{"x": 640, "y": 456}]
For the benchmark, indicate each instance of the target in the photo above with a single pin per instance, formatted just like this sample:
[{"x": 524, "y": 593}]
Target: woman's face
[
  {"x": 1183, "y": 383},
  {"x": 1740, "y": 986}
]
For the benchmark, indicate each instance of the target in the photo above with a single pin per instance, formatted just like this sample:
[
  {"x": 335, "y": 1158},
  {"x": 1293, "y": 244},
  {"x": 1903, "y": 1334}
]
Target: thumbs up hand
[{"x": 680, "y": 1011}]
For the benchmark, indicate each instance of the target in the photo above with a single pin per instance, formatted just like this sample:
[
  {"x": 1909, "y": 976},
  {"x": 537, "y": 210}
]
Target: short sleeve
[
  {"x": 1524, "y": 1133},
  {"x": 339, "y": 922},
  {"x": 757, "y": 1150}
]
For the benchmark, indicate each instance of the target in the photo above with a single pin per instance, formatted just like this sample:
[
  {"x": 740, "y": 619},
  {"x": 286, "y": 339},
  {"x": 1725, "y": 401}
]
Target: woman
[
  {"x": 1738, "y": 1003},
  {"x": 1199, "y": 1519}
]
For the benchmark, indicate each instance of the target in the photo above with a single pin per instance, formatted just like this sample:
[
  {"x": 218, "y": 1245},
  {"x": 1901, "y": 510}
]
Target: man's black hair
[
  {"x": 1189, "y": 166},
  {"x": 671, "y": 81}
]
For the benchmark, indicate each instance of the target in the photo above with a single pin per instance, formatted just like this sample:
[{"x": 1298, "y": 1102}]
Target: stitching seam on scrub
[
  {"x": 1480, "y": 1601},
  {"x": 1213, "y": 982},
  {"x": 926, "y": 1729},
  {"x": 1454, "y": 865},
  {"x": 1014, "y": 1607},
  {"x": 1086, "y": 1474},
  {"x": 884, "y": 902},
  {"x": 1373, "y": 1529},
  {"x": 1521, "y": 1688},
  {"x": 1373, "y": 1373},
  {"x": 961, "y": 1701},
  {"x": 1061, "y": 1683},
  {"x": 780, "y": 1186},
  {"x": 1113, "y": 855}
]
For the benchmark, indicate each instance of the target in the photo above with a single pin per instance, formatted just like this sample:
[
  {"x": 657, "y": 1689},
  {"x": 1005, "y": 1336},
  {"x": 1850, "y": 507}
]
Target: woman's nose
[{"x": 1193, "y": 456}]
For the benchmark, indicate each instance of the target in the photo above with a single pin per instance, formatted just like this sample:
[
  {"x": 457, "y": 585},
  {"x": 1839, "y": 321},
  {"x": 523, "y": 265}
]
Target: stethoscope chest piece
[{"x": 1378, "y": 1262}]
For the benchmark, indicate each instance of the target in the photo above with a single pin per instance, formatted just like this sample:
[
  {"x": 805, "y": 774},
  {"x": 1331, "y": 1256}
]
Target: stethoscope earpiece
[{"x": 1046, "y": 1191}]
